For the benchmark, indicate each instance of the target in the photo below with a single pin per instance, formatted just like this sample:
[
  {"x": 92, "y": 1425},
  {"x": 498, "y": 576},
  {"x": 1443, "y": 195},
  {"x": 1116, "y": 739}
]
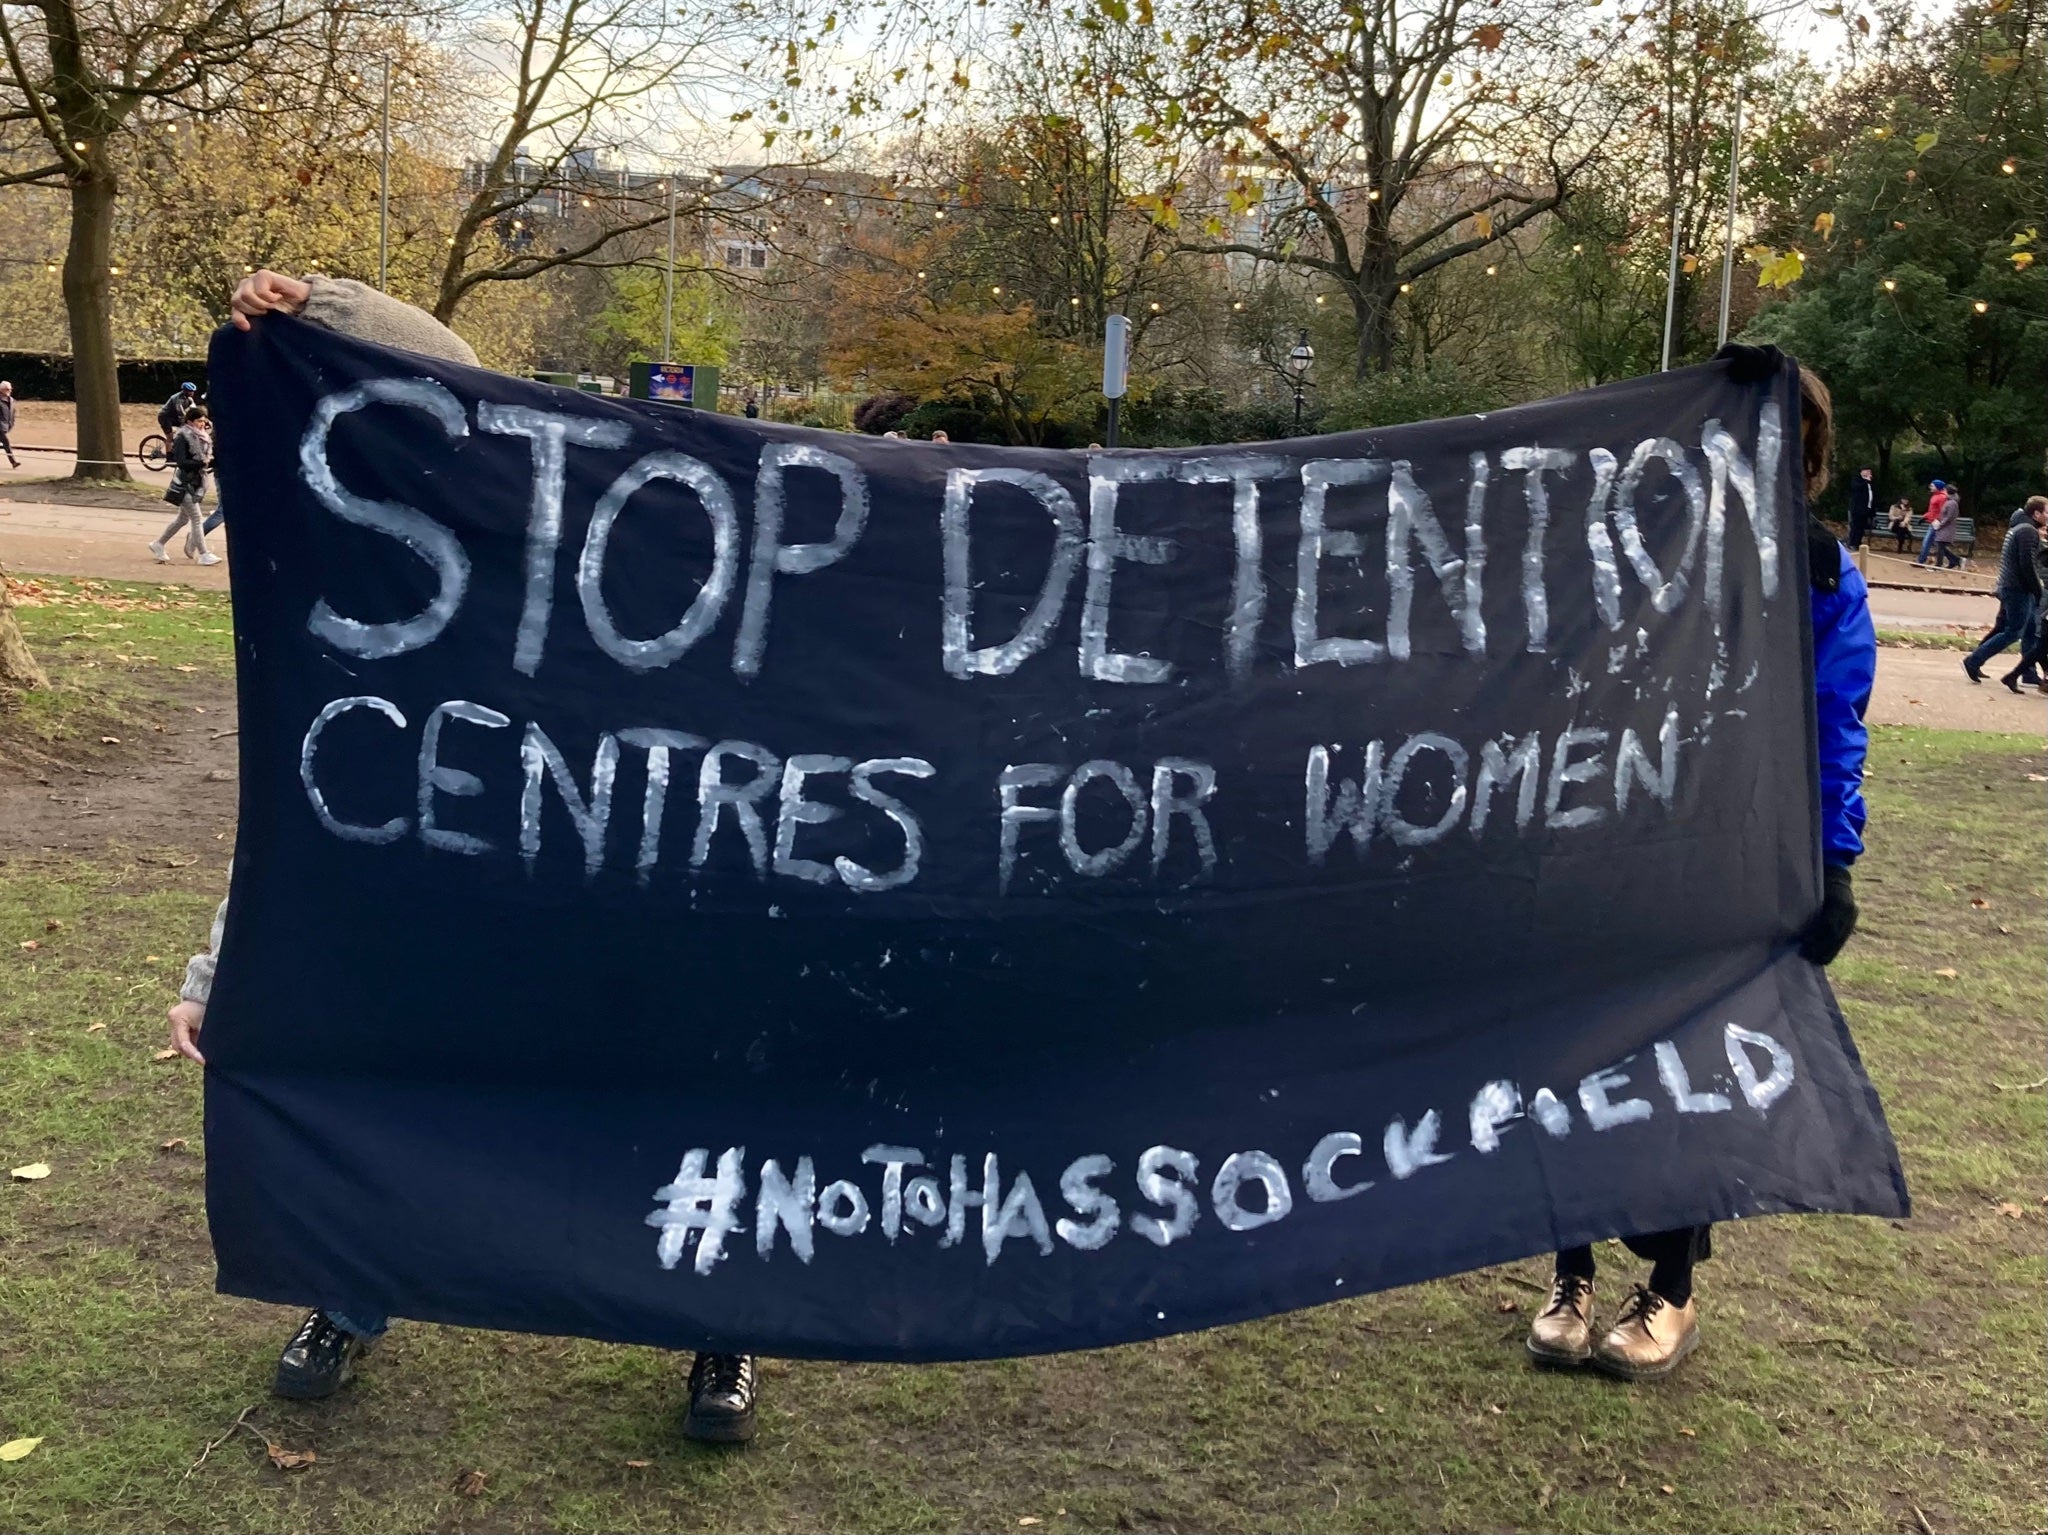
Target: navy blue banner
[{"x": 716, "y": 884}]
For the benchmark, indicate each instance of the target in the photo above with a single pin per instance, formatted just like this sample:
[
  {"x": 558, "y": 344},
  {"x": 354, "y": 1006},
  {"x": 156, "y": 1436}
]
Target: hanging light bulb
[
  {"x": 1891, "y": 285},
  {"x": 1980, "y": 306}
]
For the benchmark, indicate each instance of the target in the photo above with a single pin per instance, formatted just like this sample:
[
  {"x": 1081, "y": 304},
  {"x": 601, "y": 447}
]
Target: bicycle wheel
[{"x": 154, "y": 451}]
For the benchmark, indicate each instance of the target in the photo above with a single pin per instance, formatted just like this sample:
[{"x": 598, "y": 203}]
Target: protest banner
[{"x": 725, "y": 885}]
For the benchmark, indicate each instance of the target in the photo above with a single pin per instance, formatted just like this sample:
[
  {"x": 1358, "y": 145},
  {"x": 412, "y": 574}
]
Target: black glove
[{"x": 1836, "y": 919}]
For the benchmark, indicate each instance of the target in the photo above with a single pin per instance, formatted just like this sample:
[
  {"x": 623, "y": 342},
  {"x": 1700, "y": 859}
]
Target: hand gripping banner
[{"x": 723, "y": 885}]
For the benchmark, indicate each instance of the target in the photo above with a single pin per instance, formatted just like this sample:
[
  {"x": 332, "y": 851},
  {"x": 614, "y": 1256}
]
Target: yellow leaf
[
  {"x": 2000, "y": 63},
  {"x": 19, "y": 1449},
  {"x": 1922, "y": 142},
  {"x": 1483, "y": 222},
  {"x": 29, "y": 1174},
  {"x": 1690, "y": 263},
  {"x": 1946, "y": 972},
  {"x": 2021, "y": 260},
  {"x": 1782, "y": 272},
  {"x": 1824, "y": 225}
]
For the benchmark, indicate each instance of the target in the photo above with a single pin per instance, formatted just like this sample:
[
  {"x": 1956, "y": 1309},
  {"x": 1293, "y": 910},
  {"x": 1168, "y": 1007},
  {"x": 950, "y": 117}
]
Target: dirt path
[
  {"x": 112, "y": 541},
  {"x": 1927, "y": 687}
]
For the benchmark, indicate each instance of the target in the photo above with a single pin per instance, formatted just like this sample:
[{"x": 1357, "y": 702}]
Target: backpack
[{"x": 171, "y": 415}]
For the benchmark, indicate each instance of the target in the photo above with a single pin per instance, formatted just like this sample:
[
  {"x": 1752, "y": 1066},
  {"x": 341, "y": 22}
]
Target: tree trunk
[
  {"x": 18, "y": 669},
  {"x": 1372, "y": 312},
  {"x": 88, "y": 304}
]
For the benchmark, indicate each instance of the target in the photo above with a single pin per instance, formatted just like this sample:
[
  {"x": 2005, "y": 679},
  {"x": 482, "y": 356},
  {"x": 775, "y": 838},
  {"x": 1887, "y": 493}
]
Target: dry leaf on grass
[
  {"x": 51, "y": 925},
  {"x": 1980, "y": 903},
  {"x": 1946, "y": 972},
  {"x": 1667, "y": 1489},
  {"x": 288, "y": 1460},
  {"x": 1690, "y": 1433},
  {"x": 175, "y": 1143},
  {"x": 2010, "y": 1210},
  {"x": 32, "y": 944},
  {"x": 165, "y": 1054},
  {"x": 471, "y": 1484},
  {"x": 95, "y": 1028},
  {"x": 30, "y": 1173},
  {"x": 2037, "y": 778},
  {"x": 638, "y": 1465},
  {"x": 1505, "y": 1305},
  {"x": 1030, "y": 1519},
  {"x": 18, "y": 1449}
]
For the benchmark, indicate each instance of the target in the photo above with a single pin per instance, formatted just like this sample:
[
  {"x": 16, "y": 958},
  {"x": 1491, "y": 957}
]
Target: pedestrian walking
[
  {"x": 1862, "y": 506},
  {"x": 1657, "y": 1326},
  {"x": 321, "y": 1355},
  {"x": 2019, "y": 590},
  {"x": 1944, "y": 532},
  {"x": 191, "y": 458},
  {"x": 1937, "y": 498},
  {"x": 2034, "y": 645},
  {"x": 7, "y": 423}
]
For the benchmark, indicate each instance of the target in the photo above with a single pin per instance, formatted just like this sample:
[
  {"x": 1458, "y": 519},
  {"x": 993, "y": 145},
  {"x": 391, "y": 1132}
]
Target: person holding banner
[
  {"x": 1658, "y": 1324},
  {"x": 321, "y": 1356}
]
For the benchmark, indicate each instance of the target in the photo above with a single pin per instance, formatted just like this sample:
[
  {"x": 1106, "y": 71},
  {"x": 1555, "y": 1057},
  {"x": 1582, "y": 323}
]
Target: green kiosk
[{"x": 676, "y": 383}]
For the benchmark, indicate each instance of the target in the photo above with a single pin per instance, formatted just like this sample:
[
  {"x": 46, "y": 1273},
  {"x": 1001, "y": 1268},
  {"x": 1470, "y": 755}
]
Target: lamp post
[
  {"x": 1298, "y": 362},
  {"x": 668, "y": 279},
  {"x": 384, "y": 189}
]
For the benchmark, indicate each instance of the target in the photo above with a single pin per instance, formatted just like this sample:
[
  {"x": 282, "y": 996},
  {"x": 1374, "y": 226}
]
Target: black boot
[
  {"x": 721, "y": 1399},
  {"x": 318, "y": 1361}
]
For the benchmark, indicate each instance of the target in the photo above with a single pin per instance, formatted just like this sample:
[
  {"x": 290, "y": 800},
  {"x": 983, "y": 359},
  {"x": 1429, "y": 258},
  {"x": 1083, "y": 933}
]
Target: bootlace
[
  {"x": 1642, "y": 1306},
  {"x": 1571, "y": 1289},
  {"x": 725, "y": 1375}
]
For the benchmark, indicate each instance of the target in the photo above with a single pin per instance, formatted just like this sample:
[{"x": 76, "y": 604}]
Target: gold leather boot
[
  {"x": 1562, "y": 1333},
  {"x": 1648, "y": 1339}
]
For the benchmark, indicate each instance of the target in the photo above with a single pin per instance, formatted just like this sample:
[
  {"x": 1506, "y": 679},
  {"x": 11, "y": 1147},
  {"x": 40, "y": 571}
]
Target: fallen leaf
[
  {"x": 1505, "y": 1305},
  {"x": 165, "y": 1054},
  {"x": 95, "y": 1028},
  {"x": 638, "y": 1465},
  {"x": 1494, "y": 1408},
  {"x": 184, "y": 668},
  {"x": 1946, "y": 973},
  {"x": 32, "y": 944},
  {"x": 2004, "y": 929},
  {"x": 1980, "y": 903},
  {"x": 176, "y": 1143},
  {"x": 289, "y": 1460},
  {"x": 30, "y": 1172},
  {"x": 1031, "y": 1519},
  {"x": 2010, "y": 1210},
  {"x": 2037, "y": 778},
  {"x": 51, "y": 925},
  {"x": 1667, "y": 1489},
  {"x": 1690, "y": 1433},
  {"x": 151, "y": 959},
  {"x": 471, "y": 1484},
  {"x": 18, "y": 1449},
  {"x": 110, "y": 740}
]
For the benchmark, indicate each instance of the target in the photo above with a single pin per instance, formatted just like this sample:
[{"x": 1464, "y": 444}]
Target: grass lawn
[{"x": 1856, "y": 1375}]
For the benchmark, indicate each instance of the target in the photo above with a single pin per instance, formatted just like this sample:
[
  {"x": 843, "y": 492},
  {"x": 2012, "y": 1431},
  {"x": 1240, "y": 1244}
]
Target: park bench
[{"x": 1964, "y": 541}]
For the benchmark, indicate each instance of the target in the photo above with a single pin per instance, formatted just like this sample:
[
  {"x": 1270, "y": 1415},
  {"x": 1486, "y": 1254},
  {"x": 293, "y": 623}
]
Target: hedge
[{"x": 143, "y": 380}]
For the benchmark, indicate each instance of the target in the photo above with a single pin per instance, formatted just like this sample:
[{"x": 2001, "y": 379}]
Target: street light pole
[
  {"x": 1734, "y": 182},
  {"x": 668, "y": 282},
  {"x": 1298, "y": 362},
  {"x": 384, "y": 190}
]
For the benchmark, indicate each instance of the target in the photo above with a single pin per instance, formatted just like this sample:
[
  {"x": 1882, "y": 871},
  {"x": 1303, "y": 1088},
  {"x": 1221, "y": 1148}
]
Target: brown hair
[
  {"x": 1816, "y": 431},
  {"x": 2036, "y": 504}
]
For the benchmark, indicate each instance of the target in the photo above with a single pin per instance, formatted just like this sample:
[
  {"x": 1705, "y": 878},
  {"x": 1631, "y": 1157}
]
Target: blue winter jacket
[{"x": 1844, "y": 667}]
